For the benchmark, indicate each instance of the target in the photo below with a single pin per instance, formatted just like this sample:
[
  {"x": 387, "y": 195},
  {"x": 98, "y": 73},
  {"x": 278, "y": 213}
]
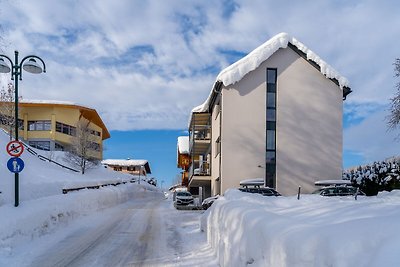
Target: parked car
[
  {"x": 265, "y": 191},
  {"x": 340, "y": 190},
  {"x": 183, "y": 198},
  {"x": 208, "y": 202}
]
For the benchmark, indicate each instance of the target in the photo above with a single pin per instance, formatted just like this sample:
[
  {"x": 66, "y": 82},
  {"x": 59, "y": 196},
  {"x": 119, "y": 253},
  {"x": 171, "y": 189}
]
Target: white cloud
[
  {"x": 93, "y": 56},
  {"x": 371, "y": 140}
]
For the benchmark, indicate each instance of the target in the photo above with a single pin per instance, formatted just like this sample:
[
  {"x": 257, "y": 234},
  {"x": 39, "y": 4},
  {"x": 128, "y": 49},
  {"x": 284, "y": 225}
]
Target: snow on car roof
[
  {"x": 254, "y": 181},
  {"x": 332, "y": 182}
]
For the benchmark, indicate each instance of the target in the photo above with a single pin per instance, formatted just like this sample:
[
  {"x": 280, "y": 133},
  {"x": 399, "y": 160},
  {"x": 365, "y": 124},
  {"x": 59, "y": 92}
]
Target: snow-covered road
[{"x": 145, "y": 232}]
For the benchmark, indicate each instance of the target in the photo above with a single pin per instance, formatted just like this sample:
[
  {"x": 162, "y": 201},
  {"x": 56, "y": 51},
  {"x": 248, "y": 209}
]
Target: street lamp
[{"x": 16, "y": 73}]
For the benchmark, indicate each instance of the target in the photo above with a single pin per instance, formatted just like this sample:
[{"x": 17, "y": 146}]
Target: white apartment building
[{"x": 275, "y": 114}]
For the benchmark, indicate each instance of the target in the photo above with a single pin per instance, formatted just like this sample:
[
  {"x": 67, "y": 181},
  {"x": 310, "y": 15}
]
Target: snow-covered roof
[
  {"x": 183, "y": 144},
  {"x": 55, "y": 102},
  {"x": 125, "y": 162},
  {"x": 240, "y": 68}
]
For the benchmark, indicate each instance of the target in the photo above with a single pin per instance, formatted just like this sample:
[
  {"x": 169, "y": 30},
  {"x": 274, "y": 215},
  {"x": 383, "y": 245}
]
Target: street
[{"x": 144, "y": 232}]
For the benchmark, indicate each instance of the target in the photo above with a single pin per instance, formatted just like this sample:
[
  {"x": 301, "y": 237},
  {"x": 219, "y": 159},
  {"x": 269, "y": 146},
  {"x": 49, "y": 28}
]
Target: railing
[
  {"x": 199, "y": 168},
  {"x": 199, "y": 135},
  {"x": 97, "y": 186},
  {"x": 33, "y": 152}
]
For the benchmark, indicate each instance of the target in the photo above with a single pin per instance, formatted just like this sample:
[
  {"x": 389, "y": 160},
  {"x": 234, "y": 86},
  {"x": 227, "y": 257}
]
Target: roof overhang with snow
[{"x": 240, "y": 68}]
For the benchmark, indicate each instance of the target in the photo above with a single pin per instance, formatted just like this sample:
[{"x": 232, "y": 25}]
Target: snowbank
[{"x": 313, "y": 231}]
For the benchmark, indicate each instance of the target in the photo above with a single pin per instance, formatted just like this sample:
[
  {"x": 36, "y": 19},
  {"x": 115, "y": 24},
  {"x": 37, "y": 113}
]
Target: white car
[{"x": 183, "y": 198}]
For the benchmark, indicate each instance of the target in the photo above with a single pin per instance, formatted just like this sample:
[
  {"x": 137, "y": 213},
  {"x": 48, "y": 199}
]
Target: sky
[{"x": 143, "y": 65}]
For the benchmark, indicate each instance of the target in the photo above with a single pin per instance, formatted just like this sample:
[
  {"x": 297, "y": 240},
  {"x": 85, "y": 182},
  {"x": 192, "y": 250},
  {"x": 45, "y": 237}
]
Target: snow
[
  {"x": 240, "y": 68},
  {"x": 241, "y": 228},
  {"x": 183, "y": 144},
  {"x": 125, "y": 162},
  {"x": 253, "y": 181},
  {"x": 332, "y": 182},
  {"x": 251, "y": 229},
  {"x": 55, "y": 102}
]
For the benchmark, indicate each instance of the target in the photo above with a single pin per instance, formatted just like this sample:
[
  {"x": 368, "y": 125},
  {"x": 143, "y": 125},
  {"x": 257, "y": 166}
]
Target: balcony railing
[{"x": 199, "y": 168}]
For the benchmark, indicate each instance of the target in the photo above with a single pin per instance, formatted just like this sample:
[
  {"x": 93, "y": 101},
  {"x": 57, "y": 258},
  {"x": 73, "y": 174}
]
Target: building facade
[
  {"x": 138, "y": 167},
  {"x": 183, "y": 158},
  {"x": 276, "y": 114},
  {"x": 52, "y": 125}
]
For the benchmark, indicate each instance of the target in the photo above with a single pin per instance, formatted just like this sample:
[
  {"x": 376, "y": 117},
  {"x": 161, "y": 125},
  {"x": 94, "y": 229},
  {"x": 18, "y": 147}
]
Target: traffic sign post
[{"x": 15, "y": 164}]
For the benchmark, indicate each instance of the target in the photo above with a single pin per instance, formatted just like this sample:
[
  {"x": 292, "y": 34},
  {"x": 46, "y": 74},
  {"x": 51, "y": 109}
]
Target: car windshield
[{"x": 184, "y": 194}]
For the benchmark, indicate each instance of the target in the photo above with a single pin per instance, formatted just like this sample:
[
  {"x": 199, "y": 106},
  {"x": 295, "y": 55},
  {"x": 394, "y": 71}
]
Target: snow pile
[
  {"x": 249, "y": 229},
  {"x": 42, "y": 205},
  {"x": 35, "y": 218}
]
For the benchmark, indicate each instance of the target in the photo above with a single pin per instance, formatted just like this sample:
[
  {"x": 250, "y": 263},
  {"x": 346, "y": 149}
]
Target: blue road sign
[{"x": 15, "y": 164}]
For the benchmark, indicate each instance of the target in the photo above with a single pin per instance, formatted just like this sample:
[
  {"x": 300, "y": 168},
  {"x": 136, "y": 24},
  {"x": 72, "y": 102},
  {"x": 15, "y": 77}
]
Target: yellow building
[{"x": 51, "y": 125}]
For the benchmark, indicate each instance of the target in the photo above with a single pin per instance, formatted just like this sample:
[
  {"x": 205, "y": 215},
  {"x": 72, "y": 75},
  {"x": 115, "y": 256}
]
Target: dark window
[
  {"x": 20, "y": 124},
  {"x": 93, "y": 132},
  {"x": 39, "y": 125},
  {"x": 217, "y": 146},
  {"x": 43, "y": 145},
  {"x": 271, "y": 103},
  {"x": 59, "y": 147},
  {"x": 65, "y": 129},
  {"x": 94, "y": 146}
]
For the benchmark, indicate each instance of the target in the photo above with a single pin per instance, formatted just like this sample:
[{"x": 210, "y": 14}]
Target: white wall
[{"x": 215, "y": 159}]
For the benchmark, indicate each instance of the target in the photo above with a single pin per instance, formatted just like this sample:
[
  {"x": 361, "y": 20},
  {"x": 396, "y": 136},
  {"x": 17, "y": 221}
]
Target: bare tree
[
  {"x": 7, "y": 108},
  {"x": 82, "y": 149},
  {"x": 394, "y": 117}
]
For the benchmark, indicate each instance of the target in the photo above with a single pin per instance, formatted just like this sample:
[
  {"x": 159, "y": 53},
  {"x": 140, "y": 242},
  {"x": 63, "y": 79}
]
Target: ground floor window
[
  {"x": 58, "y": 147},
  {"x": 43, "y": 145}
]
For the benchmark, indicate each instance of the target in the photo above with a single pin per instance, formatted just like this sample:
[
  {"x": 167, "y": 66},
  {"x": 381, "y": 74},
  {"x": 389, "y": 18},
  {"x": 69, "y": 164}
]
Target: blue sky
[{"x": 143, "y": 65}]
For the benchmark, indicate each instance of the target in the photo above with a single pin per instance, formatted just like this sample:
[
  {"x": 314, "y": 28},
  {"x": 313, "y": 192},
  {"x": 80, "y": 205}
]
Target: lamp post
[{"x": 16, "y": 74}]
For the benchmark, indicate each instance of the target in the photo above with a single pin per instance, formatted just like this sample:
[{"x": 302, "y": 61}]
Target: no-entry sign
[{"x": 15, "y": 148}]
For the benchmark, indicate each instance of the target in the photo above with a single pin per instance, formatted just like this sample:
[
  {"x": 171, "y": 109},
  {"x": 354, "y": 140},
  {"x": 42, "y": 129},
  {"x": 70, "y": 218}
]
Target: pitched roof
[{"x": 240, "y": 68}]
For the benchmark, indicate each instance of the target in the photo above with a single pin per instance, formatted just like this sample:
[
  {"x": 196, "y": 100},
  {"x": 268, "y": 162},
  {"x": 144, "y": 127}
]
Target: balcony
[
  {"x": 200, "y": 134},
  {"x": 199, "y": 173},
  {"x": 199, "y": 168}
]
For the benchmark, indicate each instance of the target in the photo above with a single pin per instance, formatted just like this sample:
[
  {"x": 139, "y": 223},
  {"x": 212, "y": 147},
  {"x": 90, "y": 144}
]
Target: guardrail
[
  {"x": 33, "y": 152},
  {"x": 97, "y": 186}
]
